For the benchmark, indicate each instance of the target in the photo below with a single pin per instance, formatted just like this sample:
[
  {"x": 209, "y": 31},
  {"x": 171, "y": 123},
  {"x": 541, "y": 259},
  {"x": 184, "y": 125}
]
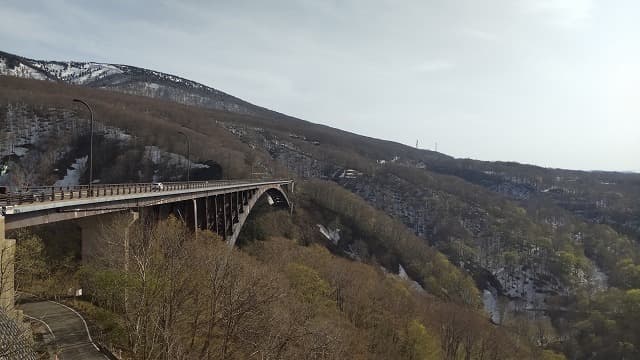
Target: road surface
[{"x": 71, "y": 334}]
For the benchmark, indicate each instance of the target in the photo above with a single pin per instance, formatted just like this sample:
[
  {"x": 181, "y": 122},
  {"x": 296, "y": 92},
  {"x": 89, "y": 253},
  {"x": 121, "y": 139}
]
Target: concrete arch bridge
[{"x": 218, "y": 206}]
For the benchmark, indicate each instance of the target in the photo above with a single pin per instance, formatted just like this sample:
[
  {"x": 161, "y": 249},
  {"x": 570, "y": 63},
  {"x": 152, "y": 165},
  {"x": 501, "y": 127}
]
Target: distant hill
[{"x": 129, "y": 79}]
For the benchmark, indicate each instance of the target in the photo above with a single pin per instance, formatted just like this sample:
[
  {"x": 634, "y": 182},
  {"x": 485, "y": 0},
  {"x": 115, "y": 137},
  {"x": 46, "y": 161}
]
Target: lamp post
[
  {"x": 90, "y": 145},
  {"x": 186, "y": 138}
]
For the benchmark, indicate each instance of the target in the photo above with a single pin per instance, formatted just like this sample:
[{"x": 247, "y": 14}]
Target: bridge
[{"x": 219, "y": 206}]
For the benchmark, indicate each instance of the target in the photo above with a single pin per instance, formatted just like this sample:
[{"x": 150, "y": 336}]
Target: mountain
[
  {"x": 128, "y": 79},
  {"x": 555, "y": 241},
  {"x": 153, "y": 84}
]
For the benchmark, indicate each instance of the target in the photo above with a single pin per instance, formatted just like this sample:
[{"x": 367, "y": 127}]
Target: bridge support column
[
  {"x": 107, "y": 235},
  {"x": 205, "y": 224},
  {"x": 7, "y": 272},
  {"x": 215, "y": 214},
  {"x": 234, "y": 212},
  {"x": 224, "y": 216},
  {"x": 195, "y": 215}
]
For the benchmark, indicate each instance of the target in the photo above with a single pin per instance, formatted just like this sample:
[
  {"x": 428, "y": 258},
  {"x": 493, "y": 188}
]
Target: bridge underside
[
  {"x": 223, "y": 214},
  {"x": 107, "y": 235}
]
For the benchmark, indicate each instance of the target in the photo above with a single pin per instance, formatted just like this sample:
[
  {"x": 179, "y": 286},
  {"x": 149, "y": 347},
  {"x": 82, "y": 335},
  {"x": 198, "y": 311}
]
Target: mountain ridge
[
  {"x": 157, "y": 84},
  {"x": 129, "y": 79}
]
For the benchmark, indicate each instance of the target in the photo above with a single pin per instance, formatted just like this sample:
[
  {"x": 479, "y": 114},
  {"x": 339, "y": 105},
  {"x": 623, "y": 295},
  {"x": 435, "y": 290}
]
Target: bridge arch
[{"x": 276, "y": 197}]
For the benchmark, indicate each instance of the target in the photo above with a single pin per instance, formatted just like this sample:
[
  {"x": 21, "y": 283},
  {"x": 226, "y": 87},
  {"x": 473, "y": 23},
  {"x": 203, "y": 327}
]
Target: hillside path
[{"x": 71, "y": 334}]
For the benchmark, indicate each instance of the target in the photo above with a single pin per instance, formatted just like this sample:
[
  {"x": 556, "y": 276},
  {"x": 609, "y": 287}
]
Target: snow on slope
[
  {"x": 78, "y": 73},
  {"x": 21, "y": 70},
  {"x": 85, "y": 73},
  {"x": 128, "y": 79},
  {"x": 71, "y": 72},
  {"x": 73, "y": 173}
]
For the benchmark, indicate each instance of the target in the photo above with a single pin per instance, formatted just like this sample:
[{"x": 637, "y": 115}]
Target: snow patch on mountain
[
  {"x": 127, "y": 79},
  {"x": 20, "y": 150},
  {"x": 402, "y": 274},
  {"x": 78, "y": 73},
  {"x": 490, "y": 302},
  {"x": 159, "y": 156},
  {"x": 73, "y": 173},
  {"x": 332, "y": 235},
  {"x": 20, "y": 70},
  {"x": 152, "y": 86}
]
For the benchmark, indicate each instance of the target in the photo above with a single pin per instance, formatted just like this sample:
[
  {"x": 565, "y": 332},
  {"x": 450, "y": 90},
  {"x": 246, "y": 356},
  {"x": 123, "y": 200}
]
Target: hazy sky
[{"x": 549, "y": 82}]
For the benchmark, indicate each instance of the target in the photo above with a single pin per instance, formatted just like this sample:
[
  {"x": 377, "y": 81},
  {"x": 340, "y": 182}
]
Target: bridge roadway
[{"x": 42, "y": 205}]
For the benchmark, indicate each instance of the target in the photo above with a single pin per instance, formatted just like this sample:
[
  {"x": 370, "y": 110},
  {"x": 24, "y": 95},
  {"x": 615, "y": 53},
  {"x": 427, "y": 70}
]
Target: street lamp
[
  {"x": 186, "y": 138},
  {"x": 90, "y": 145}
]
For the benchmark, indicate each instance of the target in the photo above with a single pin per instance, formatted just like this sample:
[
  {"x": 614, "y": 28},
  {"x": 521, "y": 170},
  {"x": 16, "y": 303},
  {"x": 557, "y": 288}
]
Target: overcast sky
[{"x": 548, "y": 82}]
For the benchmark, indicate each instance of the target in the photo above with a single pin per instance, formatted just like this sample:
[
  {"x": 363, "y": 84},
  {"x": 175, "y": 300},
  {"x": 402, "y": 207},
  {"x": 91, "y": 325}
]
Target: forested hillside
[{"x": 546, "y": 248}]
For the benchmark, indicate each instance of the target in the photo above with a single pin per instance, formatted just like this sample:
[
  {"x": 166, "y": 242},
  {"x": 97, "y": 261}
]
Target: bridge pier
[
  {"x": 234, "y": 209},
  {"x": 204, "y": 225},
  {"x": 7, "y": 272},
  {"x": 194, "y": 208},
  {"x": 224, "y": 216},
  {"x": 107, "y": 235},
  {"x": 215, "y": 214}
]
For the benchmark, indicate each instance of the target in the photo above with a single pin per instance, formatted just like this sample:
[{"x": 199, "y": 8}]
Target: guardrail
[{"x": 33, "y": 194}]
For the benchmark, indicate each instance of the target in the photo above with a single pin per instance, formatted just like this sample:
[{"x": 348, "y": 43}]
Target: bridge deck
[{"x": 39, "y": 205}]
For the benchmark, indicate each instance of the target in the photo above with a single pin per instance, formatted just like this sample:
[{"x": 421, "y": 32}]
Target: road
[{"x": 71, "y": 334}]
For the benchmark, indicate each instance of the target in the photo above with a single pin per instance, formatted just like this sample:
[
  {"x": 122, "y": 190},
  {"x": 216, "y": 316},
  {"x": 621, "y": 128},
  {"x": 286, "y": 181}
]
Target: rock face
[
  {"x": 423, "y": 209},
  {"x": 481, "y": 253},
  {"x": 475, "y": 230}
]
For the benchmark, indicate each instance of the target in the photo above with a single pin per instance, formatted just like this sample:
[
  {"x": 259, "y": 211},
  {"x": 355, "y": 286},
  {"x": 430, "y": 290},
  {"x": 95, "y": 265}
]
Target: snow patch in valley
[
  {"x": 490, "y": 302},
  {"x": 402, "y": 274},
  {"x": 331, "y": 235},
  {"x": 116, "y": 134},
  {"x": 600, "y": 279},
  {"x": 157, "y": 156},
  {"x": 73, "y": 175},
  {"x": 152, "y": 86},
  {"x": 20, "y": 151}
]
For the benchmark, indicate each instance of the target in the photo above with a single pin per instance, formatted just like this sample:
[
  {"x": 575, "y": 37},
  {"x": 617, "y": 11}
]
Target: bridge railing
[{"x": 33, "y": 194}]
